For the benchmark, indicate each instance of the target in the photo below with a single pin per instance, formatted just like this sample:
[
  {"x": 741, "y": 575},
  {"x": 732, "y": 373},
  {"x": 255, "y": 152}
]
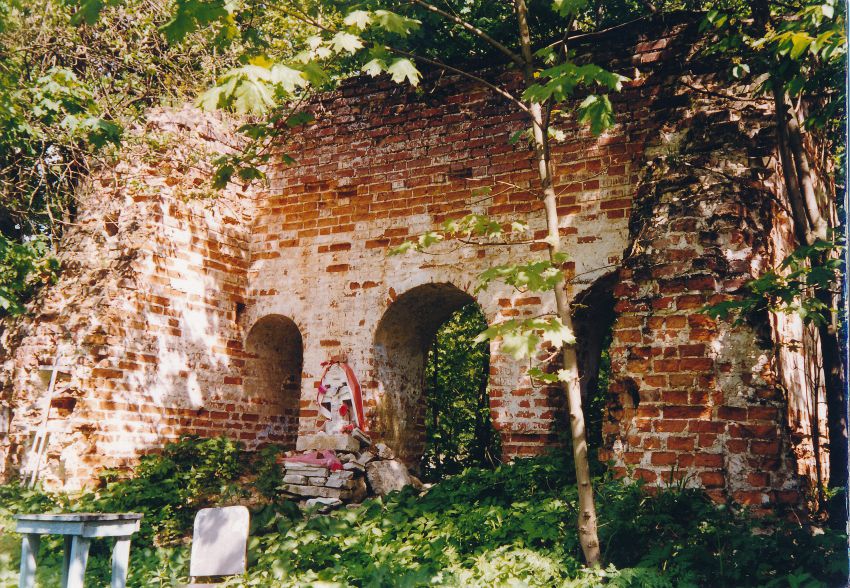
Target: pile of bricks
[
  {"x": 372, "y": 471},
  {"x": 322, "y": 486}
]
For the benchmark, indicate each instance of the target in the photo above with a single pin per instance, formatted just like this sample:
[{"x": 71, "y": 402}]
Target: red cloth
[{"x": 325, "y": 458}]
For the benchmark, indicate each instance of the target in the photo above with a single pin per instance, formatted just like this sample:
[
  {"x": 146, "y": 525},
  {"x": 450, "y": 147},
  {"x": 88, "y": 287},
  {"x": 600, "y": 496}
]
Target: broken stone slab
[
  {"x": 346, "y": 457},
  {"x": 353, "y": 466},
  {"x": 325, "y": 441},
  {"x": 387, "y": 476},
  {"x": 323, "y": 502},
  {"x": 294, "y": 479},
  {"x": 338, "y": 483},
  {"x": 341, "y": 475},
  {"x": 365, "y": 458},
  {"x": 306, "y": 470},
  {"x": 317, "y": 481},
  {"x": 384, "y": 452},
  {"x": 362, "y": 437},
  {"x": 316, "y": 491}
]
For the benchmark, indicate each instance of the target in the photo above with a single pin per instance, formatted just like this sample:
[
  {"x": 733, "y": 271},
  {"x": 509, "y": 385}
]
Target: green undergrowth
[{"x": 512, "y": 526}]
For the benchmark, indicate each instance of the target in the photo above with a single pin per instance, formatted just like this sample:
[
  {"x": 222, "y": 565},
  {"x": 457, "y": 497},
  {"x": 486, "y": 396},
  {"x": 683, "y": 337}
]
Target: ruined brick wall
[
  {"x": 144, "y": 313},
  {"x": 385, "y": 163},
  {"x": 214, "y": 317},
  {"x": 732, "y": 408}
]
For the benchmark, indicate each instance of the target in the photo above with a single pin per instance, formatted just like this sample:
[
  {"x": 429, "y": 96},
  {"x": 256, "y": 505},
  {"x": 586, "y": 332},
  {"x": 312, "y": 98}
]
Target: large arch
[
  {"x": 272, "y": 375},
  {"x": 402, "y": 339}
]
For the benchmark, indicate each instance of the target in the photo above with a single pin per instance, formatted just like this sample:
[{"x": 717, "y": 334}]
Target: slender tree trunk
[
  {"x": 810, "y": 225},
  {"x": 435, "y": 423},
  {"x": 836, "y": 418},
  {"x": 792, "y": 186},
  {"x": 804, "y": 174},
  {"x": 482, "y": 417},
  {"x": 588, "y": 535}
]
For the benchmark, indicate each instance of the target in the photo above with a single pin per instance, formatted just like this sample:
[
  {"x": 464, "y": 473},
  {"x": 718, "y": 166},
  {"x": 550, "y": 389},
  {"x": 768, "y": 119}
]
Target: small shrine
[{"x": 339, "y": 464}]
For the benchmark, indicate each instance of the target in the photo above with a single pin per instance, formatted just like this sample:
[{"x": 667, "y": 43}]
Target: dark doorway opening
[
  {"x": 408, "y": 398},
  {"x": 272, "y": 375},
  {"x": 593, "y": 322},
  {"x": 459, "y": 432}
]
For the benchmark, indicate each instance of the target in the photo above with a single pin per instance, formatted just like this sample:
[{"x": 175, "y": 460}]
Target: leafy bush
[
  {"x": 510, "y": 526},
  {"x": 23, "y": 268}
]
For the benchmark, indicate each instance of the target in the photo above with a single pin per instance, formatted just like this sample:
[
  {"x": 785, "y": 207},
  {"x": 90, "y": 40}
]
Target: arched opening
[
  {"x": 272, "y": 375},
  {"x": 404, "y": 341},
  {"x": 593, "y": 320},
  {"x": 458, "y": 429}
]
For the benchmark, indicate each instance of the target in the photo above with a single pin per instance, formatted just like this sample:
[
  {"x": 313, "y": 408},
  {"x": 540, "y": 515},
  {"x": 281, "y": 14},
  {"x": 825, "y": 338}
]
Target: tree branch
[
  {"x": 500, "y": 91},
  {"x": 473, "y": 29}
]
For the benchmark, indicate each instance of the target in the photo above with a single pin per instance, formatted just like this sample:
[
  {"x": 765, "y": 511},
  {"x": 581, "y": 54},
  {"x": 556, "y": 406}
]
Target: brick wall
[{"x": 214, "y": 316}]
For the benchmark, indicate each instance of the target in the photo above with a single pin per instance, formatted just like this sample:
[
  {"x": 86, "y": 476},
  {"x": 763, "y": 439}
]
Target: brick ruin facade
[{"x": 179, "y": 314}]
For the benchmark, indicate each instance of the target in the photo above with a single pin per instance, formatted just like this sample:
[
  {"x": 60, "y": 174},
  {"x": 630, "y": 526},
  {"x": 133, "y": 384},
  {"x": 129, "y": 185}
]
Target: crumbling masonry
[{"x": 179, "y": 314}]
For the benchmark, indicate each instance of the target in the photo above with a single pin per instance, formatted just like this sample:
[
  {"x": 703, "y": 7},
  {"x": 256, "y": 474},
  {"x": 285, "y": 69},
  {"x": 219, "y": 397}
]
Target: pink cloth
[{"x": 325, "y": 458}]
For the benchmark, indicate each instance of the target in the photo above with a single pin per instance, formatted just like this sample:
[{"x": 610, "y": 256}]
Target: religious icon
[{"x": 339, "y": 400}]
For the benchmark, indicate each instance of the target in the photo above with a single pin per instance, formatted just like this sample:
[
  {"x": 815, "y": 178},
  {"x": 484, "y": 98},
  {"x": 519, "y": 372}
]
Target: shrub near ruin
[{"x": 479, "y": 528}]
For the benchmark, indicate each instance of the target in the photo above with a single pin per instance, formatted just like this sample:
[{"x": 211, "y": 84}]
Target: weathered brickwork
[
  {"x": 144, "y": 315},
  {"x": 214, "y": 317}
]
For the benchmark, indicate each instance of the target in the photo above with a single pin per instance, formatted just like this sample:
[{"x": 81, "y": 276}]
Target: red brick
[
  {"x": 680, "y": 443},
  {"x": 686, "y": 412},
  {"x": 758, "y": 479},
  {"x": 737, "y": 446},
  {"x": 708, "y": 460},
  {"x": 692, "y": 350},
  {"x": 732, "y": 413},
  {"x": 749, "y": 497},
  {"x": 647, "y": 476},
  {"x": 712, "y": 479},
  {"x": 707, "y": 440},
  {"x": 762, "y": 413},
  {"x": 663, "y": 458},
  {"x": 765, "y": 447},
  {"x": 695, "y": 364},
  {"x": 666, "y": 365},
  {"x": 670, "y": 426}
]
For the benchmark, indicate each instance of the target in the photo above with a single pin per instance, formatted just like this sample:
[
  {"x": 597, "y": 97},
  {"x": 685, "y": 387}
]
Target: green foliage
[
  {"x": 803, "y": 47},
  {"x": 73, "y": 74},
  {"x": 457, "y": 406},
  {"x": 509, "y": 526},
  {"x": 168, "y": 488},
  {"x": 23, "y": 268},
  {"x": 792, "y": 288},
  {"x": 534, "y": 276}
]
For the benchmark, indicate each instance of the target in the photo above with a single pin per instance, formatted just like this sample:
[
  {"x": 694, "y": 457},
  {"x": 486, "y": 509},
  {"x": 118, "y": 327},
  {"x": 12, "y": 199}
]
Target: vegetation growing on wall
[{"x": 69, "y": 84}]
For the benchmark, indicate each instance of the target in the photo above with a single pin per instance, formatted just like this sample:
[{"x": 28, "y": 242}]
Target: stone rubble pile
[{"x": 372, "y": 470}]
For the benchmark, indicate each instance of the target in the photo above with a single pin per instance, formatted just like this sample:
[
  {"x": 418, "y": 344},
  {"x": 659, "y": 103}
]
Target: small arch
[
  {"x": 402, "y": 339},
  {"x": 272, "y": 375},
  {"x": 593, "y": 319}
]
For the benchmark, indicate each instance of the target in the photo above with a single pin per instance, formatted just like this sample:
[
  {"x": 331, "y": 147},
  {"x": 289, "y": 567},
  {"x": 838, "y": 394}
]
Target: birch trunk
[{"x": 587, "y": 526}]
